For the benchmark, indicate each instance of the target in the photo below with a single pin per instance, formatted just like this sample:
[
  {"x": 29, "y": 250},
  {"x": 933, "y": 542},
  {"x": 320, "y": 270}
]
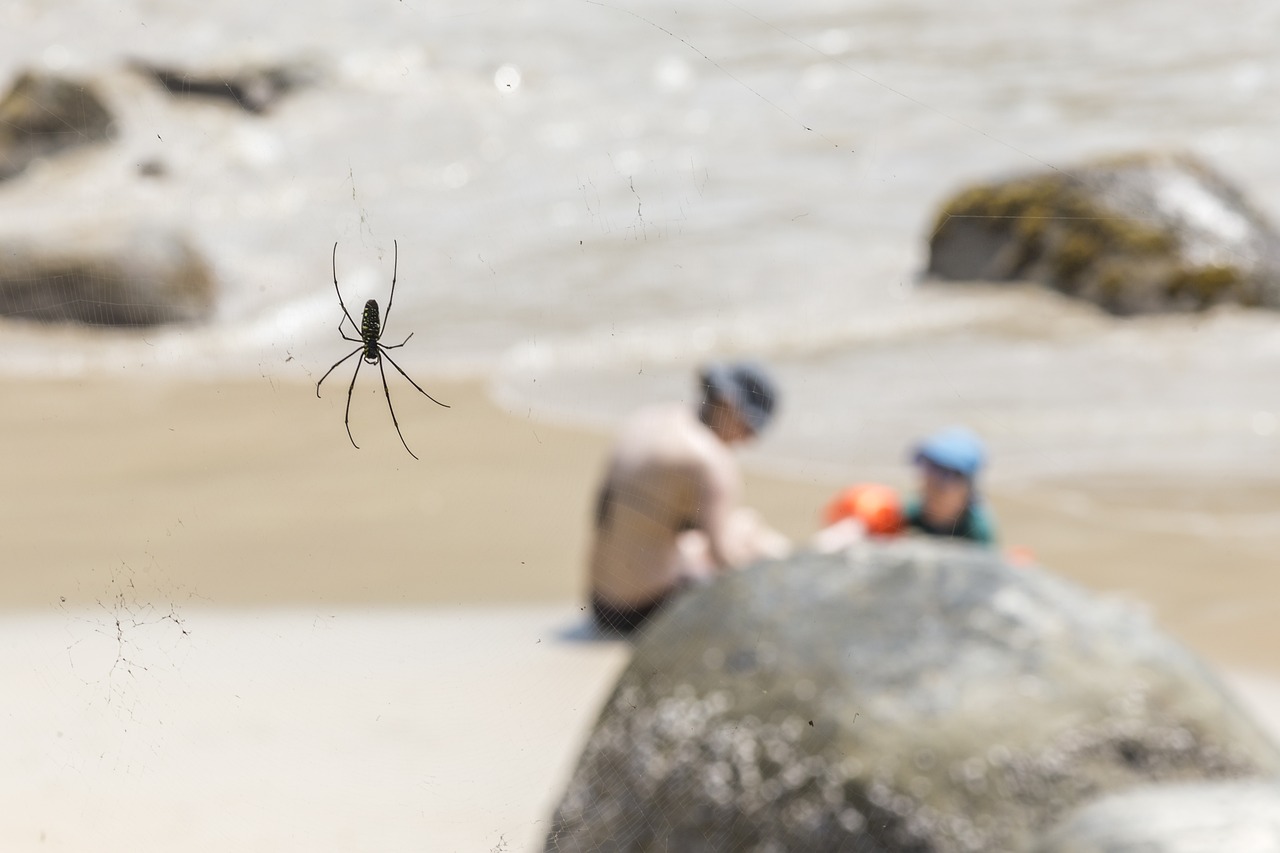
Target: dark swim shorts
[{"x": 625, "y": 619}]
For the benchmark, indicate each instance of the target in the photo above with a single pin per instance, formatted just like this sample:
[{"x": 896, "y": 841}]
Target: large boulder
[
  {"x": 1137, "y": 234},
  {"x": 44, "y": 114},
  {"x": 915, "y": 696},
  {"x": 109, "y": 276},
  {"x": 1209, "y": 817}
]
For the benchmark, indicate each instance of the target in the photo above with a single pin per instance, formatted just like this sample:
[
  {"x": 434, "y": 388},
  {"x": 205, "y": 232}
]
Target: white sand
[{"x": 370, "y": 730}]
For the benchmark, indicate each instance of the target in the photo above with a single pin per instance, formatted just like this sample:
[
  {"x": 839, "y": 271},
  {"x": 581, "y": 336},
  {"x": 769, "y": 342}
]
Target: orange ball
[{"x": 873, "y": 504}]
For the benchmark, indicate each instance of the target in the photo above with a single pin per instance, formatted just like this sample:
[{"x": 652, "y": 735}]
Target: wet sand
[{"x": 247, "y": 493}]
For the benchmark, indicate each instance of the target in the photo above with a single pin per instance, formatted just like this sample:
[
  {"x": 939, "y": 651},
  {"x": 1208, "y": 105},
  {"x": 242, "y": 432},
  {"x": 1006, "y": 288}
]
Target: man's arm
[
  {"x": 735, "y": 535},
  {"x": 718, "y": 497}
]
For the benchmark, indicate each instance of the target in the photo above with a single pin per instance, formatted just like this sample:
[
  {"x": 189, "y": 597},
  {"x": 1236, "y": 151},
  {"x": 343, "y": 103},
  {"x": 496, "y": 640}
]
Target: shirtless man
[{"x": 667, "y": 514}]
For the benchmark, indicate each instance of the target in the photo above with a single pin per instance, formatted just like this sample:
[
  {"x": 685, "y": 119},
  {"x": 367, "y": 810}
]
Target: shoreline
[{"x": 247, "y": 494}]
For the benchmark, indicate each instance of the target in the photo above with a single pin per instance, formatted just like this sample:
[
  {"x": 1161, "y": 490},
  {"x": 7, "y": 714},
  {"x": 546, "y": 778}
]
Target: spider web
[{"x": 324, "y": 648}]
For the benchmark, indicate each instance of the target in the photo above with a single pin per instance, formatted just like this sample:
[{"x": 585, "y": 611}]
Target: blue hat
[
  {"x": 955, "y": 448},
  {"x": 746, "y": 387}
]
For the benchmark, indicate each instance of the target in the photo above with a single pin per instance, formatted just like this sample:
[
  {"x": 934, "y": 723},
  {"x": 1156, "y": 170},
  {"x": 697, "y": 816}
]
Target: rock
[
  {"x": 43, "y": 115},
  {"x": 153, "y": 167},
  {"x": 1136, "y": 234},
  {"x": 1243, "y": 817},
  {"x": 113, "y": 277},
  {"x": 911, "y": 696},
  {"x": 253, "y": 89}
]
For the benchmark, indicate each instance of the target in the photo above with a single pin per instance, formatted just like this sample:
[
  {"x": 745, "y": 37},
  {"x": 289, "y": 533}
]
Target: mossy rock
[
  {"x": 43, "y": 115},
  {"x": 1136, "y": 234},
  {"x": 106, "y": 276}
]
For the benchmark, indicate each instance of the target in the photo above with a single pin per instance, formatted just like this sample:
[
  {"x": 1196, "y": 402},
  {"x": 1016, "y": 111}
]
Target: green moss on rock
[
  {"x": 1057, "y": 222},
  {"x": 1103, "y": 234},
  {"x": 1206, "y": 285}
]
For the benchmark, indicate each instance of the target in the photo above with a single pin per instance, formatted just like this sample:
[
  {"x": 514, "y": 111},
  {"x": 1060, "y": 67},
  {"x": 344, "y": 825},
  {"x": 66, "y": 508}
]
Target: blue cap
[
  {"x": 745, "y": 386},
  {"x": 955, "y": 448}
]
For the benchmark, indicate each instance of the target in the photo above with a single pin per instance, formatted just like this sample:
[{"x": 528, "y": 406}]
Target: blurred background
[
  {"x": 590, "y": 199},
  {"x": 583, "y": 191}
]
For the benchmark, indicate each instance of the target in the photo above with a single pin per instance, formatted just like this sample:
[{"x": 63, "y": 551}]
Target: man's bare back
[
  {"x": 668, "y": 511},
  {"x": 666, "y": 473}
]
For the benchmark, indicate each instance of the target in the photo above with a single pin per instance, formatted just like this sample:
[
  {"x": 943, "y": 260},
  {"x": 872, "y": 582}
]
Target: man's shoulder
[
  {"x": 666, "y": 425},
  {"x": 671, "y": 435}
]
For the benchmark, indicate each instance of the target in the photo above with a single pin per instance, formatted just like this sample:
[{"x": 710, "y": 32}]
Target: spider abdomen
[{"x": 370, "y": 327}]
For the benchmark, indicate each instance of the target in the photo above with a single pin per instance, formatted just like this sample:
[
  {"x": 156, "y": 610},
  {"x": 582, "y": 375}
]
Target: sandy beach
[
  {"x": 248, "y": 493},
  {"x": 443, "y": 729},
  {"x": 226, "y": 627}
]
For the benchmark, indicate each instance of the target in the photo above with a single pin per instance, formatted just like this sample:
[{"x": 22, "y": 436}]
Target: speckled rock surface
[
  {"x": 915, "y": 696},
  {"x": 1210, "y": 817},
  {"x": 1137, "y": 234}
]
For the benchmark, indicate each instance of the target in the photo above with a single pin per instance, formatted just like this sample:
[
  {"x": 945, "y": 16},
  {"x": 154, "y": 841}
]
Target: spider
[{"x": 371, "y": 330}]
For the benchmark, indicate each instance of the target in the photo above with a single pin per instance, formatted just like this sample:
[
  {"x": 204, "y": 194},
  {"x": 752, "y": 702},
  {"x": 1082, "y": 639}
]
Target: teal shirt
[{"x": 976, "y": 524}]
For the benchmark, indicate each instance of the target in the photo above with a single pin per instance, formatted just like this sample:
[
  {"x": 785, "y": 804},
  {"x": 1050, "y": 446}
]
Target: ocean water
[{"x": 590, "y": 199}]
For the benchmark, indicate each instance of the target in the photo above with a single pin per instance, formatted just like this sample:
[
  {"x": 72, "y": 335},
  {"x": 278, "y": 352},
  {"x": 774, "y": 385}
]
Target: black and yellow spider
[{"x": 371, "y": 329}]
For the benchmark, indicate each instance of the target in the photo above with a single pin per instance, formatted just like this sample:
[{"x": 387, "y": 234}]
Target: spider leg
[
  {"x": 331, "y": 369},
  {"x": 334, "y": 261},
  {"x": 395, "y": 268},
  {"x": 387, "y": 391},
  {"x": 346, "y": 419},
  {"x": 411, "y": 382},
  {"x": 344, "y": 334},
  {"x": 397, "y": 346}
]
